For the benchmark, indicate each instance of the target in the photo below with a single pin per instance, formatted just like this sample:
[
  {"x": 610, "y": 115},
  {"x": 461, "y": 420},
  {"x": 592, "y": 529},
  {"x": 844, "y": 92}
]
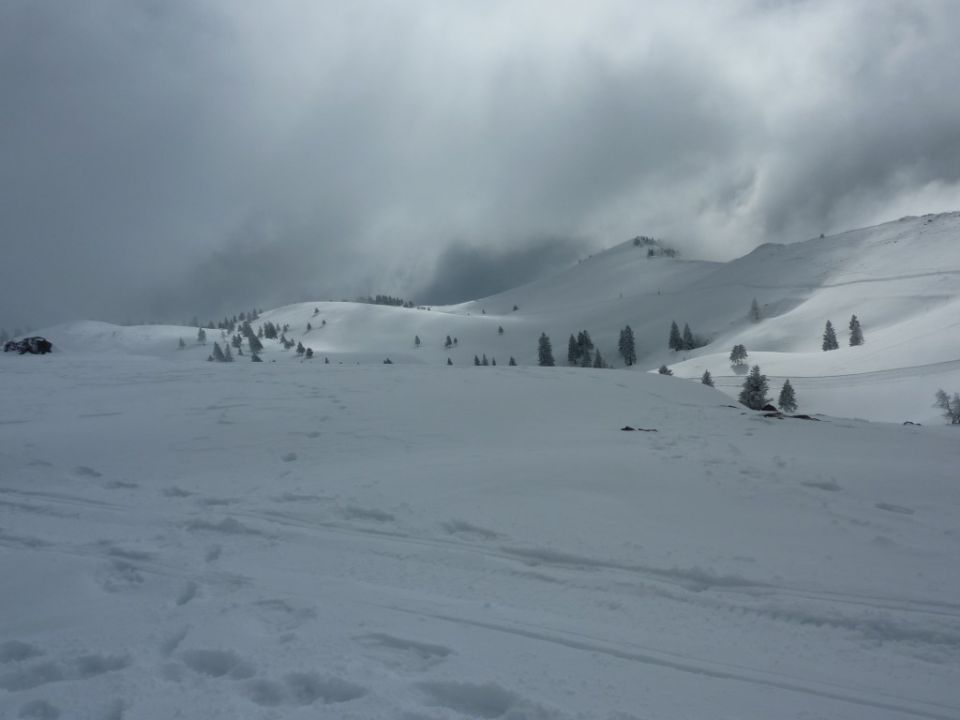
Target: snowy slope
[
  {"x": 902, "y": 280},
  {"x": 294, "y": 540}
]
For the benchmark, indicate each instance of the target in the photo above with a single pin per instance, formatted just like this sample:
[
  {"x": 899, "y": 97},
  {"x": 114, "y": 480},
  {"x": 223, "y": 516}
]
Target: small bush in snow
[{"x": 950, "y": 406}]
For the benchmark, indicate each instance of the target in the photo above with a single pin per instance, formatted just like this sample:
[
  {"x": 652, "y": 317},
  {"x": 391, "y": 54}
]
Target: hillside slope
[{"x": 902, "y": 279}]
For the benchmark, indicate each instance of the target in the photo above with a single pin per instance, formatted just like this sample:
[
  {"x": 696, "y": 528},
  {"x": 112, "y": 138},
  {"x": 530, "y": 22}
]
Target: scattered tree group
[
  {"x": 685, "y": 340},
  {"x": 580, "y": 349}
]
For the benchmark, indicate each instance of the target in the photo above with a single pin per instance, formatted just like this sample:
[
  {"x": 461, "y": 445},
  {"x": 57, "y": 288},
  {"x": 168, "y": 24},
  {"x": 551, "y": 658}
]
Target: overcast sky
[{"x": 165, "y": 158}]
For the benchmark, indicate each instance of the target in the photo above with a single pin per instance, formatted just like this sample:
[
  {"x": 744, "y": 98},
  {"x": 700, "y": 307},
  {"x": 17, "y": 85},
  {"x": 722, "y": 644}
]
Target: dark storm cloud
[
  {"x": 166, "y": 158},
  {"x": 470, "y": 272}
]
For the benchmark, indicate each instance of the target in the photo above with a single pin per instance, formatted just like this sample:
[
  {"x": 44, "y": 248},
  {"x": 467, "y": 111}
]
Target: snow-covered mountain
[
  {"x": 902, "y": 280},
  {"x": 296, "y": 539}
]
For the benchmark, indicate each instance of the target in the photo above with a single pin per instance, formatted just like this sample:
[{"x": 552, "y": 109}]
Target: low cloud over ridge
[{"x": 166, "y": 159}]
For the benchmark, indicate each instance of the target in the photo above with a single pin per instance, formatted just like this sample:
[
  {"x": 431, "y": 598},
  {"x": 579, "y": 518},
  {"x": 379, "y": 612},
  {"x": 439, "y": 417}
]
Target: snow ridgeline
[{"x": 902, "y": 280}]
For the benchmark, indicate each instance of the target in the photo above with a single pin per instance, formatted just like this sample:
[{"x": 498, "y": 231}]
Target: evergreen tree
[
  {"x": 755, "y": 315},
  {"x": 664, "y": 370},
  {"x": 676, "y": 341},
  {"x": 326, "y": 361},
  {"x": 449, "y": 361},
  {"x": 416, "y": 340},
  {"x": 707, "y": 378},
  {"x": 627, "y": 347},
  {"x": 573, "y": 351},
  {"x": 598, "y": 361},
  {"x": 448, "y": 342},
  {"x": 201, "y": 336},
  {"x": 856, "y": 332},
  {"x": 500, "y": 330},
  {"x": 688, "y": 342},
  {"x": 388, "y": 361},
  {"x": 300, "y": 348},
  {"x": 182, "y": 344},
  {"x": 309, "y": 327},
  {"x": 476, "y": 361},
  {"x": 585, "y": 348},
  {"x": 738, "y": 355},
  {"x": 754, "y": 392},
  {"x": 544, "y": 351},
  {"x": 493, "y": 361},
  {"x": 788, "y": 398},
  {"x": 484, "y": 361},
  {"x": 260, "y": 332},
  {"x": 255, "y": 358},
  {"x": 309, "y": 353},
  {"x": 236, "y": 341},
  {"x": 829, "y": 338},
  {"x": 512, "y": 363},
  {"x": 254, "y": 342},
  {"x": 217, "y": 352},
  {"x": 227, "y": 355}
]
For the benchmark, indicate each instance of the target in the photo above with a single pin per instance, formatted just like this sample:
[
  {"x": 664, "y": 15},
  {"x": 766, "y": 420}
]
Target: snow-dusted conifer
[
  {"x": 689, "y": 343},
  {"x": 627, "y": 346},
  {"x": 217, "y": 352},
  {"x": 707, "y": 378},
  {"x": 512, "y": 363},
  {"x": 738, "y": 355},
  {"x": 544, "y": 351},
  {"x": 201, "y": 336},
  {"x": 676, "y": 340},
  {"x": 227, "y": 354},
  {"x": 664, "y": 370},
  {"x": 573, "y": 351},
  {"x": 755, "y": 314},
  {"x": 788, "y": 398},
  {"x": 754, "y": 392},
  {"x": 830, "y": 338},
  {"x": 449, "y": 361},
  {"x": 856, "y": 332}
]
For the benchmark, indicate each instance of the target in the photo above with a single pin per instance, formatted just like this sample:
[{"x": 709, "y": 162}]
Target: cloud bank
[{"x": 165, "y": 159}]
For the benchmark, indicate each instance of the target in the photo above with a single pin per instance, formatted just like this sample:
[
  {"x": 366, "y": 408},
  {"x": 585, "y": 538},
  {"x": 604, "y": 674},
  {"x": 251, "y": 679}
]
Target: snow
[{"x": 295, "y": 539}]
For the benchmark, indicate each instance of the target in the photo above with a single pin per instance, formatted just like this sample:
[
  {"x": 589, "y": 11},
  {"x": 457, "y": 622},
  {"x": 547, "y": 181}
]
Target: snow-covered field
[
  {"x": 186, "y": 539},
  {"x": 298, "y": 539}
]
